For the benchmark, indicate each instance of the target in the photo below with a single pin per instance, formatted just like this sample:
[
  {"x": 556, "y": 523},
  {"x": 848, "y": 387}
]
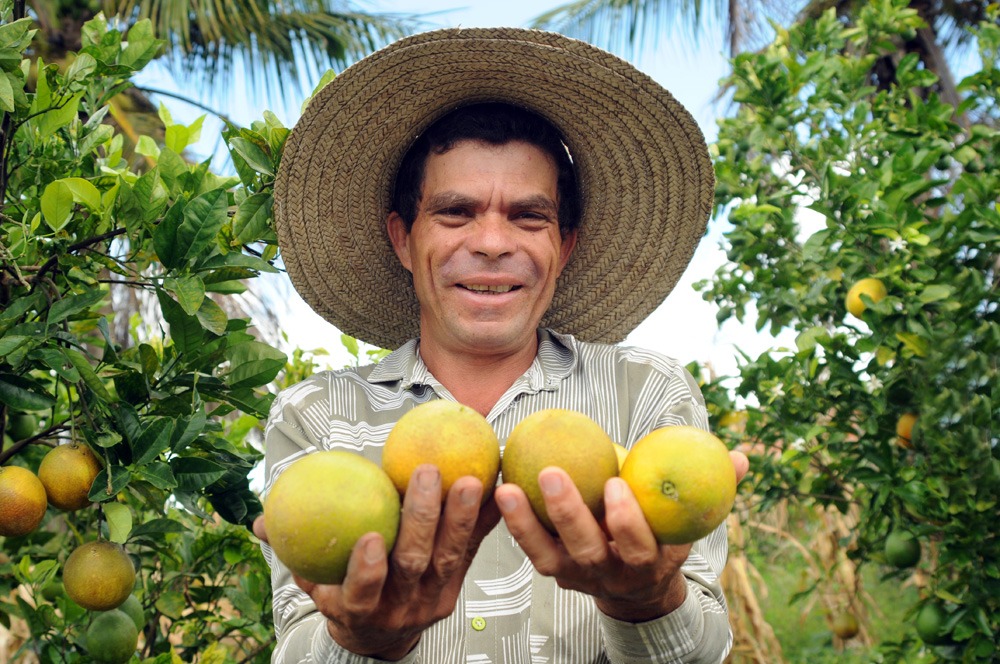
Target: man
[{"x": 473, "y": 199}]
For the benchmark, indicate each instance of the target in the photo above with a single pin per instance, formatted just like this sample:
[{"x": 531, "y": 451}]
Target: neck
[{"x": 479, "y": 380}]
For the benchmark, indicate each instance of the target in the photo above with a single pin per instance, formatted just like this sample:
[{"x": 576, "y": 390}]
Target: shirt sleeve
[
  {"x": 698, "y": 631},
  {"x": 300, "y": 629}
]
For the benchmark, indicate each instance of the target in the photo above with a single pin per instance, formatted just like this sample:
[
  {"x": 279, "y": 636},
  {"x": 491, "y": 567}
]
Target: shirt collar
[{"x": 558, "y": 355}]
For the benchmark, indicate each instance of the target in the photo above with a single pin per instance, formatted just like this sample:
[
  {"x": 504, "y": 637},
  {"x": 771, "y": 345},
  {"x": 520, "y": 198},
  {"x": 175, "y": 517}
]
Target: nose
[{"x": 492, "y": 236}]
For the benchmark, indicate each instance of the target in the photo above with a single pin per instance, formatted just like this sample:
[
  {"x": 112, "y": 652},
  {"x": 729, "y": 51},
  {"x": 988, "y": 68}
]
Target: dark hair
[{"x": 497, "y": 124}]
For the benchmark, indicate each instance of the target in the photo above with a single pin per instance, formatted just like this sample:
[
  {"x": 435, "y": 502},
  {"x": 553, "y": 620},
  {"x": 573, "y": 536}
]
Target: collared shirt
[{"x": 507, "y": 613}]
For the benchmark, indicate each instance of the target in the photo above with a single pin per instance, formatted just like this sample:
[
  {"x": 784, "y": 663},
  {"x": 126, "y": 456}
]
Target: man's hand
[
  {"x": 385, "y": 603},
  {"x": 630, "y": 575}
]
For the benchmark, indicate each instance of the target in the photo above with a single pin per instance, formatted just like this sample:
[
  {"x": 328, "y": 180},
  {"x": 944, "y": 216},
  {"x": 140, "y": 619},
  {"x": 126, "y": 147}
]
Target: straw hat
[{"x": 642, "y": 165}]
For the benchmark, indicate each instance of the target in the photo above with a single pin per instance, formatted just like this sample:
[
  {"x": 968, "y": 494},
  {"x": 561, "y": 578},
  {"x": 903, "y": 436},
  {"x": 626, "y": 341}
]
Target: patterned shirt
[{"x": 507, "y": 613}]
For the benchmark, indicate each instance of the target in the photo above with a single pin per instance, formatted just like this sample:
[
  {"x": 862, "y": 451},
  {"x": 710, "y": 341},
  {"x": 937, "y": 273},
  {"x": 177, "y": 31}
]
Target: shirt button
[{"x": 479, "y": 623}]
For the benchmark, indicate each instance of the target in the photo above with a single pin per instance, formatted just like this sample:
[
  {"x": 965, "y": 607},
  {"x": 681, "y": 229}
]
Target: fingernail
[
  {"x": 373, "y": 551},
  {"x": 469, "y": 496},
  {"x": 615, "y": 491},
  {"x": 427, "y": 478},
  {"x": 551, "y": 484},
  {"x": 506, "y": 503}
]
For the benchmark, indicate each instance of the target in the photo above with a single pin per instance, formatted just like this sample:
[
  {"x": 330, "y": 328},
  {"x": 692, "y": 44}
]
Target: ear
[
  {"x": 399, "y": 237},
  {"x": 566, "y": 248}
]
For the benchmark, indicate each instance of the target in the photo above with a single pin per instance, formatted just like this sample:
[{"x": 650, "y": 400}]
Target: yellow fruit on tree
[
  {"x": 870, "y": 286},
  {"x": 99, "y": 575},
  {"x": 567, "y": 439},
  {"x": 321, "y": 505},
  {"x": 453, "y": 437},
  {"x": 622, "y": 452},
  {"x": 68, "y": 472},
  {"x": 684, "y": 481},
  {"x": 22, "y": 501},
  {"x": 845, "y": 625},
  {"x": 904, "y": 429},
  {"x": 112, "y": 638}
]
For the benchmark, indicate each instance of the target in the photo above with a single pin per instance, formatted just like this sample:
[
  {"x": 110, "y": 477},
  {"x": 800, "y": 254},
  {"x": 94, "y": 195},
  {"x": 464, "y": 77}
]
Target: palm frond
[
  {"x": 279, "y": 48},
  {"x": 629, "y": 26}
]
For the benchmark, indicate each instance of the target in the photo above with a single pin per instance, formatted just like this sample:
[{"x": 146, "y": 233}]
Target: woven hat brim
[{"x": 643, "y": 166}]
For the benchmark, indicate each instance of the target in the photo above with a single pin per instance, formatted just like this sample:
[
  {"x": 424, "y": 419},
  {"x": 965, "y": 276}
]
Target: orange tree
[
  {"x": 830, "y": 175},
  {"x": 167, "y": 410}
]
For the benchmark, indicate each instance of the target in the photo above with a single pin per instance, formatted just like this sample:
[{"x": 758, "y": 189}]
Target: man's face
[{"x": 485, "y": 248}]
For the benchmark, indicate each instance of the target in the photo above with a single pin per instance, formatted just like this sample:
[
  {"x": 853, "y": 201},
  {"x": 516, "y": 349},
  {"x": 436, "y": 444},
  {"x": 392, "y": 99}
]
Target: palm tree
[{"x": 626, "y": 25}]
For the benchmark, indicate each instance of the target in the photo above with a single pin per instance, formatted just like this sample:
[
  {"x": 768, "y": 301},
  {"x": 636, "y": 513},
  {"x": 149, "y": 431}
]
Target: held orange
[
  {"x": 22, "y": 501},
  {"x": 453, "y": 437},
  {"x": 321, "y": 505},
  {"x": 684, "y": 481},
  {"x": 622, "y": 452},
  {"x": 567, "y": 439}
]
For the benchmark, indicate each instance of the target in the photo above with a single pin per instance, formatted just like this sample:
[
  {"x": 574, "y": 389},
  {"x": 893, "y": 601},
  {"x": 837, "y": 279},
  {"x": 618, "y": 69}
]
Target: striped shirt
[{"x": 507, "y": 613}]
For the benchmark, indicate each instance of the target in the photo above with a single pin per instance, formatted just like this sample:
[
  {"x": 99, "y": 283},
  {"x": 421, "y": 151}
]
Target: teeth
[{"x": 489, "y": 289}]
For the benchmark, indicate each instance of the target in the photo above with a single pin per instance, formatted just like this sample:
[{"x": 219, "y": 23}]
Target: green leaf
[
  {"x": 212, "y": 317},
  {"x": 165, "y": 241},
  {"x": 204, "y": 217},
  {"x": 194, "y": 474},
  {"x": 185, "y": 330},
  {"x": 253, "y": 217},
  {"x": 10, "y": 343},
  {"x": 57, "y": 205},
  {"x": 141, "y": 47},
  {"x": 73, "y": 304},
  {"x": 935, "y": 293},
  {"x": 188, "y": 429},
  {"x": 22, "y": 393},
  {"x": 147, "y": 147},
  {"x": 6, "y": 93},
  {"x": 255, "y": 157},
  {"x": 913, "y": 342},
  {"x": 253, "y": 363},
  {"x": 58, "y": 115},
  {"x": 159, "y": 475},
  {"x": 154, "y": 440},
  {"x": 87, "y": 373},
  {"x": 119, "y": 521},
  {"x": 158, "y": 527},
  {"x": 190, "y": 292},
  {"x": 120, "y": 477}
]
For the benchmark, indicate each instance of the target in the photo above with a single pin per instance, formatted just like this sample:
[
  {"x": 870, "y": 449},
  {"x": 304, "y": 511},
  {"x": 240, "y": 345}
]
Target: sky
[{"x": 684, "y": 326}]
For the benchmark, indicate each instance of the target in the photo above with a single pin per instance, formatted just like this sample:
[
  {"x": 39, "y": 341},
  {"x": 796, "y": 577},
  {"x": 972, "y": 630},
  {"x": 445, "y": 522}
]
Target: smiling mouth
[{"x": 481, "y": 288}]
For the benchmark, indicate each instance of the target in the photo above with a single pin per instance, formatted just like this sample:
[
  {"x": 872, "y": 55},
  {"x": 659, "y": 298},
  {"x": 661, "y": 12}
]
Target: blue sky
[{"x": 685, "y": 326}]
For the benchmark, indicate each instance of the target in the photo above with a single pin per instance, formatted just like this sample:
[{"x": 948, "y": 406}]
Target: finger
[
  {"x": 411, "y": 555},
  {"x": 578, "y": 529},
  {"x": 740, "y": 463},
  {"x": 536, "y": 542},
  {"x": 634, "y": 541},
  {"x": 258, "y": 528},
  {"x": 367, "y": 571},
  {"x": 460, "y": 514}
]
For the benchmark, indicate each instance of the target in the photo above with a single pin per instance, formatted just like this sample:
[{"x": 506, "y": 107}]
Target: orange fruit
[
  {"x": 872, "y": 287},
  {"x": 68, "y": 472},
  {"x": 902, "y": 549},
  {"x": 321, "y": 505},
  {"x": 684, "y": 482},
  {"x": 453, "y": 437},
  {"x": 930, "y": 623},
  {"x": 622, "y": 452},
  {"x": 845, "y": 625},
  {"x": 22, "y": 501},
  {"x": 99, "y": 575},
  {"x": 567, "y": 439},
  {"x": 112, "y": 638},
  {"x": 904, "y": 429}
]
